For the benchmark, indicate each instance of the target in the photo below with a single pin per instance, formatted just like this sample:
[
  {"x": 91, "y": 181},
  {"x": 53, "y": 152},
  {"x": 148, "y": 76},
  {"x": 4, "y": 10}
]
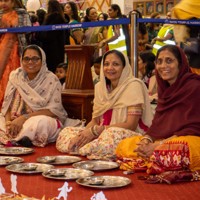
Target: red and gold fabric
[{"x": 180, "y": 153}]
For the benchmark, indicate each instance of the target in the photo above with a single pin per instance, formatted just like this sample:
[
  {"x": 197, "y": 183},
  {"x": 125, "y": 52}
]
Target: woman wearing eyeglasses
[
  {"x": 172, "y": 142},
  {"x": 32, "y": 112}
]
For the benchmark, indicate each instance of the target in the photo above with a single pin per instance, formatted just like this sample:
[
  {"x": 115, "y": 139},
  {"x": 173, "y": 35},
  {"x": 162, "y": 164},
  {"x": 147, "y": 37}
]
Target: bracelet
[
  {"x": 147, "y": 138},
  {"x": 95, "y": 133},
  {"x": 92, "y": 131}
]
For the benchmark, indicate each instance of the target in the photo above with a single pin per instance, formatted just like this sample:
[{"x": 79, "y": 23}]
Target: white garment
[{"x": 40, "y": 129}]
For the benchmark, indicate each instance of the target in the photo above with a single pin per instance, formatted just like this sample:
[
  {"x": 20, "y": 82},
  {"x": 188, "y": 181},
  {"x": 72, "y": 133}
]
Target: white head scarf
[
  {"x": 130, "y": 91},
  {"x": 43, "y": 92}
]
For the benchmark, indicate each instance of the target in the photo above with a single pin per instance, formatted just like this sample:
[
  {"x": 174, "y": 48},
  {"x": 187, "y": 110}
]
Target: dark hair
[
  {"x": 33, "y": 18},
  {"x": 116, "y": 7},
  {"x": 87, "y": 13},
  {"x": 62, "y": 65},
  {"x": 74, "y": 9},
  {"x": 34, "y": 47},
  {"x": 125, "y": 27},
  {"x": 97, "y": 60},
  {"x": 154, "y": 14},
  {"x": 142, "y": 26},
  {"x": 173, "y": 49},
  {"x": 105, "y": 16},
  {"x": 116, "y": 52},
  {"x": 19, "y": 4},
  {"x": 55, "y": 6},
  {"x": 41, "y": 15},
  {"x": 149, "y": 58}
]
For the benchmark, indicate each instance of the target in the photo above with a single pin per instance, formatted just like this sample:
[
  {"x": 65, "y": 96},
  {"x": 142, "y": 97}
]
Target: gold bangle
[
  {"x": 92, "y": 131},
  {"x": 95, "y": 131},
  {"x": 147, "y": 138}
]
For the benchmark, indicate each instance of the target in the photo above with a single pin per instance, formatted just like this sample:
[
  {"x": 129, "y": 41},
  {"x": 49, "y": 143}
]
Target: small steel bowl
[
  {"x": 95, "y": 180},
  {"x": 57, "y": 173},
  {"x": 87, "y": 166},
  {"x": 49, "y": 159},
  {"x": 30, "y": 167}
]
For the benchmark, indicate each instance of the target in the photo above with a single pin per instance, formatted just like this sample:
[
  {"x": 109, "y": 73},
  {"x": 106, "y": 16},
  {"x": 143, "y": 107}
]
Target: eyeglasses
[
  {"x": 168, "y": 61},
  {"x": 34, "y": 59}
]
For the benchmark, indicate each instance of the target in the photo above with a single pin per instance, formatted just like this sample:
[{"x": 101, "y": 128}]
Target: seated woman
[
  {"x": 32, "y": 110},
  {"x": 121, "y": 106},
  {"x": 146, "y": 67},
  {"x": 172, "y": 142}
]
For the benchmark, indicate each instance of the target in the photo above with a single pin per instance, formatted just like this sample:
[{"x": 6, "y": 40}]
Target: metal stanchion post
[{"x": 134, "y": 43}]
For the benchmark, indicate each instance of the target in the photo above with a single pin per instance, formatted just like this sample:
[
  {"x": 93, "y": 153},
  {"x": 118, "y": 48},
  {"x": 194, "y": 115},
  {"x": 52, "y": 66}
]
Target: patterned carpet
[{"x": 42, "y": 188}]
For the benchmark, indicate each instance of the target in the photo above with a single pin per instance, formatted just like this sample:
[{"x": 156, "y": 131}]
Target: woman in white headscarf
[
  {"x": 121, "y": 106},
  {"x": 32, "y": 110}
]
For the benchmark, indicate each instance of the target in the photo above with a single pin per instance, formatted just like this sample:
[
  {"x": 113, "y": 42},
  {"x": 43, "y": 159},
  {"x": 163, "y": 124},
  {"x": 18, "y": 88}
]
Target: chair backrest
[{"x": 79, "y": 74}]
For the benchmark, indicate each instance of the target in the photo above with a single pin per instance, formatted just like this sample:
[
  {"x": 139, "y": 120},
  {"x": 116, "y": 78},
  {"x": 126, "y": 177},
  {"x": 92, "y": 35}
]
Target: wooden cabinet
[
  {"x": 78, "y": 103},
  {"x": 79, "y": 74},
  {"x": 79, "y": 89}
]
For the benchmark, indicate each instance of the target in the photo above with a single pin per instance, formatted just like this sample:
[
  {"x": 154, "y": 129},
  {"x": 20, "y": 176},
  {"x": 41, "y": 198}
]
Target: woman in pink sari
[{"x": 121, "y": 106}]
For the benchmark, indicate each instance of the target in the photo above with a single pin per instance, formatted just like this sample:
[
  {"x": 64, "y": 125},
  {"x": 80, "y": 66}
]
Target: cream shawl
[
  {"x": 129, "y": 92},
  {"x": 43, "y": 92}
]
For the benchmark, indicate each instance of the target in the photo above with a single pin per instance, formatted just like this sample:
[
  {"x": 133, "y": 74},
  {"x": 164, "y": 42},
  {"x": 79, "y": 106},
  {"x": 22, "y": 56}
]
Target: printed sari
[{"x": 180, "y": 153}]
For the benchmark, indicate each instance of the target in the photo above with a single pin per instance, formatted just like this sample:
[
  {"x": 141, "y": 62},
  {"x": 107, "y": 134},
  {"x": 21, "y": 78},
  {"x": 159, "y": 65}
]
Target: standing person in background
[
  {"x": 152, "y": 29},
  {"x": 102, "y": 16},
  {"x": 118, "y": 35},
  {"x": 34, "y": 22},
  {"x": 165, "y": 36},
  {"x": 53, "y": 42},
  {"x": 71, "y": 12},
  {"x": 93, "y": 35},
  {"x": 142, "y": 34},
  {"x": 12, "y": 14},
  {"x": 41, "y": 15}
]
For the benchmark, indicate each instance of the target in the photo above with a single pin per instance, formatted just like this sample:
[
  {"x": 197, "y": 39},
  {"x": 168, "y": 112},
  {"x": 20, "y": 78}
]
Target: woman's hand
[
  {"x": 16, "y": 126},
  {"x": 153, "y": 41},
  {"x": 80, "y": 140},
  {"x": 145, "y": 148},
  {"x": 101, "y": 43}
]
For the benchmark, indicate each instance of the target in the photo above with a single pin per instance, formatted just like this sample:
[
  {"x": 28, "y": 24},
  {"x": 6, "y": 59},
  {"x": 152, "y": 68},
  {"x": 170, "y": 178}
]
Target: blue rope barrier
[
  {"x": 64, "y": 26},
  {"x": 170, "y": 21},
  {"x": 95, "y": 24}
]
